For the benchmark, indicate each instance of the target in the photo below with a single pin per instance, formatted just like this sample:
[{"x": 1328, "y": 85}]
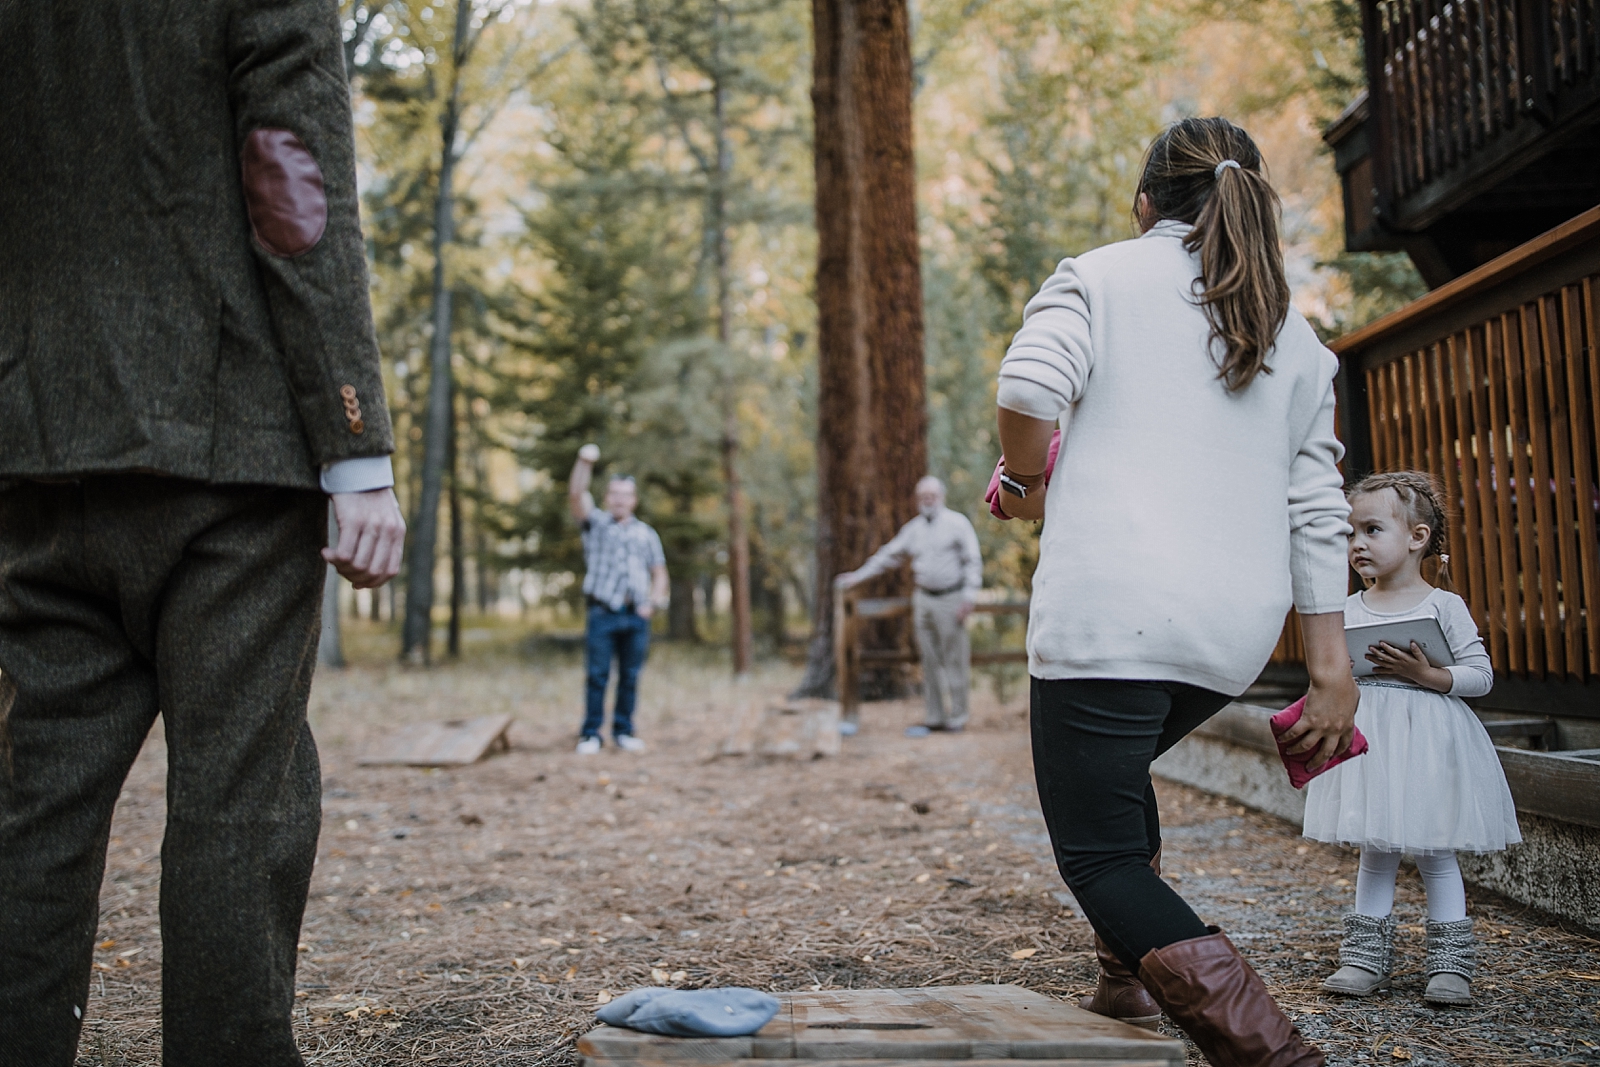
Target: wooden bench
[{"x": 850, "y": 611}]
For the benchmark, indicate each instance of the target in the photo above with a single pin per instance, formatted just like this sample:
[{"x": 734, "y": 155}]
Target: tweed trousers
[{"x": 121, "y": 597}]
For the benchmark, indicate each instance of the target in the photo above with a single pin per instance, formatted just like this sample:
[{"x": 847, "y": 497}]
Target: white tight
[{"x": 1441, "y": 879}]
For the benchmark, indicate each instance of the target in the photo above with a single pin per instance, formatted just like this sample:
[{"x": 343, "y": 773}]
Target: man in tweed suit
[{"x": 188, "y": 372}]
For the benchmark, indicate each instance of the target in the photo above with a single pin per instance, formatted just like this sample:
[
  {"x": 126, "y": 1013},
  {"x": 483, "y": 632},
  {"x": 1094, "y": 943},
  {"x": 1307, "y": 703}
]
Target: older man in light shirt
[{"x": 948, "y": 570}]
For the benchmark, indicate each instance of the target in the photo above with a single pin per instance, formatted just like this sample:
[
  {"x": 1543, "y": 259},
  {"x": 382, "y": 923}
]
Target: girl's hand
[{"x": 1413, "y": 666}]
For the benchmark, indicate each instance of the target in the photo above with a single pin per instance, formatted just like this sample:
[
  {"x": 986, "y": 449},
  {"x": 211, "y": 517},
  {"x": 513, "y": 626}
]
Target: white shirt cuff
[{"x": 357, "y": 475}]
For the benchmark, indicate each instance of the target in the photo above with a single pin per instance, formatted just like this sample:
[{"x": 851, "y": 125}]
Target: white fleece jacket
[{"x": 1182, "y": 519}]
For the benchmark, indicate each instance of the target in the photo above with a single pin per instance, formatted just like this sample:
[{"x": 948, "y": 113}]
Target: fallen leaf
[
  {"x": 1400, "y": 1054},
  {"x": 923, "y": 877},
  {"x": 518, "y": 963},
  {"x": 1024, "y": 953},
  {"x": 549, "y": 941},
  {"x": 107, "y": 943},
  {"x": 658, "y": 976},
  {"x": 678, "y": 976},
  {"x": 603, "y": 997},
  {"x": 572, "y": 972},
  {"x": 356, "y": 1013}
]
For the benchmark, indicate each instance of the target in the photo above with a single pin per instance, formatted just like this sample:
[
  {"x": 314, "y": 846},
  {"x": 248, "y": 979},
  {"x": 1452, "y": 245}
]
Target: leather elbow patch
[{"x": 283, "y": 192}]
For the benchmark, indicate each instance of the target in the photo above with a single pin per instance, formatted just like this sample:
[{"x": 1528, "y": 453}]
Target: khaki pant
[{"x": 946, "y": 657}]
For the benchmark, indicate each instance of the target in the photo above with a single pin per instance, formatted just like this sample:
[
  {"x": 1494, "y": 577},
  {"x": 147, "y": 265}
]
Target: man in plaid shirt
[{"x": 626, "y": 582}]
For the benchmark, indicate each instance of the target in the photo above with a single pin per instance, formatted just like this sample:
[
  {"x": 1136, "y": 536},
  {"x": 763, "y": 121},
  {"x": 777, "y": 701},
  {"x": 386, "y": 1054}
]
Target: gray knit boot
[
  {"x": 1452, "y": 954},
  {"x": 1366, "y": 956}
]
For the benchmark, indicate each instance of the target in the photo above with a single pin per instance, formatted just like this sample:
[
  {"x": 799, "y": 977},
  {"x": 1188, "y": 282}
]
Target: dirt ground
[{"x": 478, "y": 916}]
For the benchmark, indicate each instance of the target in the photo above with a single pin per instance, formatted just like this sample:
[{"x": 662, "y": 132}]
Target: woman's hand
[
  {"x": 1024, "y": 507},
  {"x": 1328, "y": 722},
  {"x": 1025, "y": 441},
  {"x": 1413, "y": 666}
]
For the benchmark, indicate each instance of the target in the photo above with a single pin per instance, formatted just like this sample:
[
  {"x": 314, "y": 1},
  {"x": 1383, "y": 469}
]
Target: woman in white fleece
[{"x": 1196, "y": 497}]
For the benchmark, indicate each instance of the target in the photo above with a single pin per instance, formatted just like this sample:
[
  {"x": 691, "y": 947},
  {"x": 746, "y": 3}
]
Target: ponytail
[{"x": 1208, "y": 173}]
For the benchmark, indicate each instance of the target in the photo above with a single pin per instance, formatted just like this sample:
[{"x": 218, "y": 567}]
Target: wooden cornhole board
[
  {"x": 983, "y": 1025},
  {"x": 441, "y": 744}
]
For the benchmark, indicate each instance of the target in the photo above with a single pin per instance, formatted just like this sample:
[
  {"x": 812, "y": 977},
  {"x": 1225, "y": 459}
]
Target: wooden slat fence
[
  {"x": 1492, "y": 384},
  {"x": 1460, "y": 87}
]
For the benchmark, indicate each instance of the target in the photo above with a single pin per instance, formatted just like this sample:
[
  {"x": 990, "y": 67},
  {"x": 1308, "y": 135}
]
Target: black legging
[{"x": 1093, "y": 742}]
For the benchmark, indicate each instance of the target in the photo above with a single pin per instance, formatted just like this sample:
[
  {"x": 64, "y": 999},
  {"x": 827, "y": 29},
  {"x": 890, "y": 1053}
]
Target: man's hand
[
  {"x": 372, "y": 535},
  {"x": 645, "y": 610},
  {"x": 964, "y": 612},
  {"x": 589, "y": 453},
  {"x": 846, "y": 580}
]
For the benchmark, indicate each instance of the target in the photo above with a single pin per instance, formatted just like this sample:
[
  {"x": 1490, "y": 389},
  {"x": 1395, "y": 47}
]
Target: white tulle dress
[{"x": 1431, "y": 782}]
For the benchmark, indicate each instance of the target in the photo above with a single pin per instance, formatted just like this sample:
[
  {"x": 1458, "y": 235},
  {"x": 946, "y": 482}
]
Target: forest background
[{"x": 593, "y": 220}]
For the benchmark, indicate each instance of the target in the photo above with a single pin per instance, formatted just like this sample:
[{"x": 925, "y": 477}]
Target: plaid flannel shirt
[{"x": 619, "y": 556}]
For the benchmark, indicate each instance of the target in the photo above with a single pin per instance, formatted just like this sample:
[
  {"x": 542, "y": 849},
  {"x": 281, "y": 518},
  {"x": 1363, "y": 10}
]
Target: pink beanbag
[
  {"x": 992, "y": 495},
  {"x": 1299, "y": 773}
]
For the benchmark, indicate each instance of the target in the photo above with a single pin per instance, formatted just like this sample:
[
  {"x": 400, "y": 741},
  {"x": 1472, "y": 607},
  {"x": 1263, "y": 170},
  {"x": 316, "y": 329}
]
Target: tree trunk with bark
[
  {"x": 872, "y": 402},
  {"x": 417, "y": 635},
  {"x": 330, "y": 648},
  {"x": 458, "y": 559},
  {"x": 738, "y": 536}
]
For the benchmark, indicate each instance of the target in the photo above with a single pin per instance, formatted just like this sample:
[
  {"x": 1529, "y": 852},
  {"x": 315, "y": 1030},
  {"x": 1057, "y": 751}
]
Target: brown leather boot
[
  {"x": 1207, "y": 988},
  {"x": 1119, "y": 993}
]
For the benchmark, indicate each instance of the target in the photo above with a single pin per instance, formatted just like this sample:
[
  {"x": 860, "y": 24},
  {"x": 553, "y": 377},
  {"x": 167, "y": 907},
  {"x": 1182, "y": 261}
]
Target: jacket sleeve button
[
  {"x": 357, "y": 426},
  {"x": 347, "y": 391}
]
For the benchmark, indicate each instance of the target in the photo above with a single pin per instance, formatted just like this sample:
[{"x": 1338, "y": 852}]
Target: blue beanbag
[{"x": 731, "y": 1011}]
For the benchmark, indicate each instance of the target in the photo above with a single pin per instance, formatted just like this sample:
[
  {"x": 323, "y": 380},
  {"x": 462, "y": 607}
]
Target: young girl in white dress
[{"x": 1431, "y": 784}]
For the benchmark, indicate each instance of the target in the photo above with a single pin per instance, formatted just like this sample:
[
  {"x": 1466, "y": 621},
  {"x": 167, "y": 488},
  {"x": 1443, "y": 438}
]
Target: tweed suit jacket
[{"x": 183, "y": 285}]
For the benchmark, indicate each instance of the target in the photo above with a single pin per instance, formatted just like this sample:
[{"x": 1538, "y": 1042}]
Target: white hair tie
[{"x": 1224, "y": 165}]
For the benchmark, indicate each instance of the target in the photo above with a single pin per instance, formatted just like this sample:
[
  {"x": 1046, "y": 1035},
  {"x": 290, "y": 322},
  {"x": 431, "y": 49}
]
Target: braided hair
[{"x": 1421, "y": 503}]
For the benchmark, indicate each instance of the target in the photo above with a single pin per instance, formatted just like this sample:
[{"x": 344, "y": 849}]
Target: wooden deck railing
[
  {"x": 850, "y": 610},
  {"x": 1460, "y": 87},
  {"x": 1492, "y": 383}
]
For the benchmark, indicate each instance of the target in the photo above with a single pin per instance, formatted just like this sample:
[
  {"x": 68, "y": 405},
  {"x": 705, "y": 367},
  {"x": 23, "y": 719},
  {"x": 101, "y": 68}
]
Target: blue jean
[{"x": 624, "y": 635}]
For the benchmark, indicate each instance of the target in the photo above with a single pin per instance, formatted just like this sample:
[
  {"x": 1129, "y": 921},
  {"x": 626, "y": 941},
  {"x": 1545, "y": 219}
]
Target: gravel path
[{"x": 478, "y": 916}]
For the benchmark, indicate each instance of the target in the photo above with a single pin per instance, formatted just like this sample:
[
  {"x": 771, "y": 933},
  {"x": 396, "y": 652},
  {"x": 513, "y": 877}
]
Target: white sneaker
[
  {"x": 589, "y": 746},
  {"x": 629, "y": 743}
]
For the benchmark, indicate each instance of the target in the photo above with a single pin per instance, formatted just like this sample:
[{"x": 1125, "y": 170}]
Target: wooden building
[{"x": 1476, "y": 149}]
